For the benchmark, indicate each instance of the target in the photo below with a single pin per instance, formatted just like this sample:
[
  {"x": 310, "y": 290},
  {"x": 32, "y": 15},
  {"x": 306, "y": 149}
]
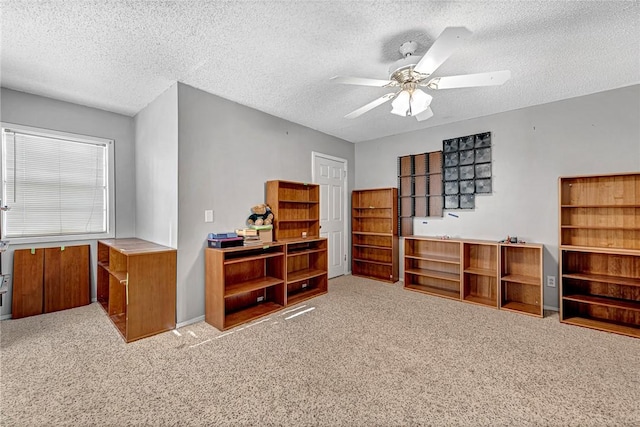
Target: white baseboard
[
  {"x": 190, "y": 321},
  {"x": 5, "y": 316},
  {"x": 548, "y": 307}
]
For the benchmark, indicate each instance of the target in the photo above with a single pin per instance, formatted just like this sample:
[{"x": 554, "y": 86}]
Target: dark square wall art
[{"x": 467, "y": 169}]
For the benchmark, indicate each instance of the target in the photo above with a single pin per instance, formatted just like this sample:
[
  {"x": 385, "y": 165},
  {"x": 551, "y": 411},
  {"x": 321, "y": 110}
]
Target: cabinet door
[
  {"x": 27, "y": 294},
  {"x": 66, "y": 277}
]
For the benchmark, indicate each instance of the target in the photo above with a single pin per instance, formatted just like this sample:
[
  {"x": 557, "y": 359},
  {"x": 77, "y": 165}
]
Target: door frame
[{"x": 345, "y": 203}]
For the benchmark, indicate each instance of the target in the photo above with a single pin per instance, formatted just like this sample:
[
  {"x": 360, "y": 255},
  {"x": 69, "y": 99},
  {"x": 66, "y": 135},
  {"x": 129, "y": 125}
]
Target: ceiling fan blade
[
  {"x": 494, "y": 78},
  {"x": 370, "y": 106},
  {"x": 361, "y": 81},
  {"x": 450, "y": 39},
  {"x": 426, "y": 114}
]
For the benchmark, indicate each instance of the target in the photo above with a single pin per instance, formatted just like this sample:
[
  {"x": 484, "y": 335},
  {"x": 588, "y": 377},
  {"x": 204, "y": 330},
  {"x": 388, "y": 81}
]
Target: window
[{"x": 57, "y": 186}]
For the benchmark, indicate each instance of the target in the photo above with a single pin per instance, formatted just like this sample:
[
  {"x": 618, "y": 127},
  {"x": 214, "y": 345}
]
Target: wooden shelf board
[
  {"x": 604, "y": 301},
  {"x": 357, "y": 245},
  {"x": 453, "y": 277},
  {"x": 368, "y": 261},
  {"x": 431, "y": 290},
  {"x": 519, "y": 278},
  {"x": 371, "y": 217},
  {"x": 104, "y": 265},
  {"x": 298, "y": 220},
  {"x": 594, "y": 249},
  {"x": 254, "y": 257},
  {"x": 378, "y": 278},
  {"x": 604, "y": 326},
  {"x": 309, "y": 273},
  {"x": 476, "y": 299},
  {"x": 251, "y": 313},
  {"x": 626, "y": 281},
  {"x": 595, "y": 227},
  {"x": 300, "y": 202},
  {"x": 251, "y": 285},
  {"x": 434, "y": 257},
  {"x": 481, "y": 271},
  {"x": 368, "y": 233},
  {"x": 104, "y": 304},
  {"x": 305, "y": 252},
  {"x": 120, "y": 321},
  {"x": 628, "y": 205},
  {"x": 520, "y": 307},
  {"x": 366, "y": 208},
  {"x": 302, "y": 295},
  {"x": 121, "y": 276}
]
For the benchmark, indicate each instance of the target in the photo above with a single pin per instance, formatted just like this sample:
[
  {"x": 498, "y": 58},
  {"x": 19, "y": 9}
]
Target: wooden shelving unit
[
  {"x": 243, "y": 284},
  {"x": 433, "y": 266},
  {"x": 505, "y": 276},
  {"x": 136, "y": 286},
  {"x": 420, "y": 188},
  {"x": 521, "y": 287},
  {"x": 480, "y": 269},
  {"x": 306, "y": 269},
  {"x": 600, "y": 252},
  {"x": 296, "y": 209},
  {"x": 374, "y": 234}
]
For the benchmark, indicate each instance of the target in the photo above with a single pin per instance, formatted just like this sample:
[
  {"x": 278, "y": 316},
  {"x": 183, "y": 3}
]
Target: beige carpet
[{"x": 367, "y": 354}]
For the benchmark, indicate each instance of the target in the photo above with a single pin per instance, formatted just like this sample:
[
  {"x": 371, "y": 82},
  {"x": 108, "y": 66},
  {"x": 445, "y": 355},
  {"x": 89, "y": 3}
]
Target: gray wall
[
  {"x": 31, "y": 110},
  {"x": 532, "y": 147},
  {"x": 156, "y": 169},
  {"x": 226, "y": 154}
]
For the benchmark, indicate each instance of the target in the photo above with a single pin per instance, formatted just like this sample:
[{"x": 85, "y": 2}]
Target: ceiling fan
[{"x": 413, "y": 72}]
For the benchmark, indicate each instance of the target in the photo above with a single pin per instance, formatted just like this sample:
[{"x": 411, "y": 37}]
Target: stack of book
[{"x": 251, "y": 237}]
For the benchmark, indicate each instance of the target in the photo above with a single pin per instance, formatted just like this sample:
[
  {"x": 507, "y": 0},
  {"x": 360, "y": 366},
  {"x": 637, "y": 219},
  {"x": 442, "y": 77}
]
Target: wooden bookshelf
[
  {"x": 504, "y": 276},
  {"x": 296, "y": 209},
  {"x": 600, "y": 252},
  {"x": 374, "y": 234}
]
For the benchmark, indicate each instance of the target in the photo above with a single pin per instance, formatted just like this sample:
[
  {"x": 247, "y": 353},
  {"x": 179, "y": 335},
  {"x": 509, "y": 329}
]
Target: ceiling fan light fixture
[
  {"x": 419, "y": 102},
  {"x": 401, "y": 104}
]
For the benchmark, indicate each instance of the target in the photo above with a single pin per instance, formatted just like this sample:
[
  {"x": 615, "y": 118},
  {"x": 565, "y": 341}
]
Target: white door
[{"x": 330, "y": 173}]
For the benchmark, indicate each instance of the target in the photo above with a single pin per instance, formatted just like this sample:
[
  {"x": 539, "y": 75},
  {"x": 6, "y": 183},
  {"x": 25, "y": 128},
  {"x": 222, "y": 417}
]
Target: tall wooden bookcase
[
  {"x": 504, "y": 276},
  {"x": 374, "y": 234},
  {"x": 600, "y": 252},
  {"x": 296, "y": 209},
  {"x": 137, "y": 286}
]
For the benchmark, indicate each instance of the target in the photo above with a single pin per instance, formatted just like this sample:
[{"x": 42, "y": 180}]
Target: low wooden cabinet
[
  {"x": 137, "y": 286},
  {"x": 50, "y": 279},
  {"x": 504, "y": 276}
]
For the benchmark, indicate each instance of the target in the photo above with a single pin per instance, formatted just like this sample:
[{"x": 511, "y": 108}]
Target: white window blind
[{"x": 54, "y": 185}]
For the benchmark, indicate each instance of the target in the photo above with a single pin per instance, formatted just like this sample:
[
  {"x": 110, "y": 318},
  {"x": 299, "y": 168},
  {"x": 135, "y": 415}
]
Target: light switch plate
[{"x": 208, "y": 216}]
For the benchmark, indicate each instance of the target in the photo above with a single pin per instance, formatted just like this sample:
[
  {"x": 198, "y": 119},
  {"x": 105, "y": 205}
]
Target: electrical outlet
[
  {"x": 208, "y": 215},
  {"x": 551, "y": 281}
]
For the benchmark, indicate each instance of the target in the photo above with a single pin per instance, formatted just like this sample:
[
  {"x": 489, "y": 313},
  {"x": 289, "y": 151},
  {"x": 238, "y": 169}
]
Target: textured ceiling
[{"x": 278, "y": 56}]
